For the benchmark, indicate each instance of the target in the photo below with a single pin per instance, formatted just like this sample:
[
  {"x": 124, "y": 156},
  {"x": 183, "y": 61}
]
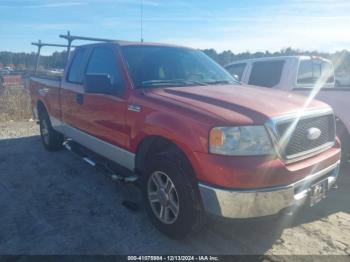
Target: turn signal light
[{"x": 216, "y": 138}]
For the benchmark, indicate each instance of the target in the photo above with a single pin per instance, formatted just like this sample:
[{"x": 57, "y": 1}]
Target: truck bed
[{"x": 46, "y": 89}]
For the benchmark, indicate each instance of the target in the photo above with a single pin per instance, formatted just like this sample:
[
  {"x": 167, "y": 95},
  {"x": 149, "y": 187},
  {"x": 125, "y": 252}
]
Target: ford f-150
[{"x": 199, "y": 142}]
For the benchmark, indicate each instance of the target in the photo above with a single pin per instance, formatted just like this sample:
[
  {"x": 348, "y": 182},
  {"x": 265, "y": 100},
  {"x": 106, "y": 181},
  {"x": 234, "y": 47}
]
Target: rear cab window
[
  {"x": 237, "y": 70},
  {"x": 266, "y": 73},
  {"x": 313, "y": 71}
]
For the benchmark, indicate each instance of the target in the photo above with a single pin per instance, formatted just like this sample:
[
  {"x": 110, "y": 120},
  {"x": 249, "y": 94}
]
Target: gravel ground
[{"x": 54, "y": 203}]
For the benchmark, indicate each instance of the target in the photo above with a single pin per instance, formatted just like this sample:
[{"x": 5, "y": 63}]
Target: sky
[{"x": 236, "y": 25}]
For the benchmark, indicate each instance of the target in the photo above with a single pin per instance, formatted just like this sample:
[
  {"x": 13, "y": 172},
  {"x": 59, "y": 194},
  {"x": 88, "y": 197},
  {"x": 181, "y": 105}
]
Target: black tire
[
  {"x": 51, "y": 139},
  {"x": 344, "y": 140},
  {"x": 190, "y": 216}
]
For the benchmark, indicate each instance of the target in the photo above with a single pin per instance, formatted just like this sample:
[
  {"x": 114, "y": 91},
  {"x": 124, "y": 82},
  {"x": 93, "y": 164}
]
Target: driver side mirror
[
  {"x": 99, "y": 84},
  {"x": 236, "y": 77}
]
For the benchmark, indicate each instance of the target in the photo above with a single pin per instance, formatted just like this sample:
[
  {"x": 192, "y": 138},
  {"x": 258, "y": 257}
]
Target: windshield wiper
[
  {"x": 200, "y": 83},
  {"x": 172, "y": 82},
  {"x": 218, "y": 82}
]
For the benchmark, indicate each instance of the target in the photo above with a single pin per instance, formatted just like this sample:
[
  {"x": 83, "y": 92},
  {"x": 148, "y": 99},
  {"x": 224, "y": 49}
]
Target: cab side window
[
  {"x": 76, "y": 69},
  {"x": 266, "y": 73},
  {"x": 236, "y": 70},
  {"x": 310, "y": 72},
  {"x": 103, "y": 61}
]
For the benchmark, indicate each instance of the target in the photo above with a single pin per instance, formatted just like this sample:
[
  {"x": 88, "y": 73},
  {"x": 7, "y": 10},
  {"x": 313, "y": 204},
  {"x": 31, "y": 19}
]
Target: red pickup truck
[{"x": 199, "y": 142}]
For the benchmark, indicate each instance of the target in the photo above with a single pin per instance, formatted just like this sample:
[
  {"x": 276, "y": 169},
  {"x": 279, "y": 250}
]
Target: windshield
[{"x": 157, "y": 66}]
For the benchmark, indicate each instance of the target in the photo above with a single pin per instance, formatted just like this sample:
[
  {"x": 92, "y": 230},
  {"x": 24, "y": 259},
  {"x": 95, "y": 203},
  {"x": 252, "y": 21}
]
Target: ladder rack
[
  {"x": 39, "y": 45},
  {"x": 70, "y": 38}
]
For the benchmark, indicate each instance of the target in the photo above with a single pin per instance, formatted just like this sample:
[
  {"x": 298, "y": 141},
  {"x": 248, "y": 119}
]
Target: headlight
[{"x": 240, "y": 141}]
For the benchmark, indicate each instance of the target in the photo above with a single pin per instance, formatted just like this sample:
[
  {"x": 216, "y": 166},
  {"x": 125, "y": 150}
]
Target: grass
[{"x": 14, "y": 104}]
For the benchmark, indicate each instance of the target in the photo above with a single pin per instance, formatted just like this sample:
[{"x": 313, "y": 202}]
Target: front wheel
[
  {"x": 51, "y": 139},
  {"x": 171, "y": 200}
]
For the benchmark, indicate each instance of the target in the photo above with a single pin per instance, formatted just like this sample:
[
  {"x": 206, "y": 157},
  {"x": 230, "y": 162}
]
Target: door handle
[{"x": 80, "y": 99}]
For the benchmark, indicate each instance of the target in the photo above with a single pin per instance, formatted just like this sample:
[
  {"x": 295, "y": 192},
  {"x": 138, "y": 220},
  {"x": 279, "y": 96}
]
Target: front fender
[{"x": 188, "y": 135}]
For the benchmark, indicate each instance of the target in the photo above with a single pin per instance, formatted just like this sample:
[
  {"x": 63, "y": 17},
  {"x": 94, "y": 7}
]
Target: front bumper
[{"x": 262, "y": 202}]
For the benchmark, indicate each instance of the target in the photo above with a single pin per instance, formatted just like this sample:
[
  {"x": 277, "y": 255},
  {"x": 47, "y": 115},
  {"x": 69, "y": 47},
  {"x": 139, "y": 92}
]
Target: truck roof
[
  {"x": 135, "y": 43},
  {"x": 270, "y": 58}
]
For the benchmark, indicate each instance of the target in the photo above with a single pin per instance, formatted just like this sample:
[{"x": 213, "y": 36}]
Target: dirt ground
[{"x": 54, "y": 203}]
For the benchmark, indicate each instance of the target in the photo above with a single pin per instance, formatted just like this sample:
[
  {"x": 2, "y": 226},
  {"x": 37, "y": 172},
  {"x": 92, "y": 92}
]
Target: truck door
[
  {"x": 72, "y": 90},
  {"x": 104, "y": 104}
]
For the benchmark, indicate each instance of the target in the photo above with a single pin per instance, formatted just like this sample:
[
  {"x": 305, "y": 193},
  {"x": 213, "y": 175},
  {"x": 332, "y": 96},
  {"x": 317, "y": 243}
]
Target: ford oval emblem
[{"x": 313, "y": 133}]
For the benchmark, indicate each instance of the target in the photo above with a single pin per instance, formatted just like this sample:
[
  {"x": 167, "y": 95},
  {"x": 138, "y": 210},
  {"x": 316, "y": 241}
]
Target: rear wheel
[
  {"x": 51, "y": 139},
  {"x": 171, "y": 199}
]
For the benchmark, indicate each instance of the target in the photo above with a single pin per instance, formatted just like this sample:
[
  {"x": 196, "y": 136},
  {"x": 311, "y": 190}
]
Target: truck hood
[{"x": 239, "y": 104}]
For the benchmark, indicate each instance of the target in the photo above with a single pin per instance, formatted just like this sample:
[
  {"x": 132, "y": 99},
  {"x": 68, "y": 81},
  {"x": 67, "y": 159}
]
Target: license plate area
[{"x": 318, "y": 191}]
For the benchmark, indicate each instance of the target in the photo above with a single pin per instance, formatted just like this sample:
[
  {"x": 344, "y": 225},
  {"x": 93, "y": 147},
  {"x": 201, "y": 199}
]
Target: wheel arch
[
  {"x": 342, "y": 127},
  {"x": 156, "y": 144},
  {"x": 40, "y": 106},
  {"x": 344, "y": 133}
]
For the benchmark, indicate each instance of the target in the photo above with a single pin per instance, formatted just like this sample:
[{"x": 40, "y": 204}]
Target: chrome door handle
[{"x": 134, "y": 108}]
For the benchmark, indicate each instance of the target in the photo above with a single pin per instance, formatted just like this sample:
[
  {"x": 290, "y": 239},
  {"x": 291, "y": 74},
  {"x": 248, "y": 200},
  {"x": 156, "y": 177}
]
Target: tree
[{"x": 341, "y": 59}]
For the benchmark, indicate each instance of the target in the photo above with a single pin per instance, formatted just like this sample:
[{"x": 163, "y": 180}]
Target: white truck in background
[
  {"x": 342, "y": 79},
  {"x": 306, "y": 75}
]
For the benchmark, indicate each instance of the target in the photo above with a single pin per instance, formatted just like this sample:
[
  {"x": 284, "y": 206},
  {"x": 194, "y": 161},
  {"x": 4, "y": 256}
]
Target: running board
[{"x": 84, "y": 155}]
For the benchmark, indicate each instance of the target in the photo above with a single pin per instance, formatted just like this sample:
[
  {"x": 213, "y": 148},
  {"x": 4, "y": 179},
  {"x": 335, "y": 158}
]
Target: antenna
[{"x": 141, "y": 6}]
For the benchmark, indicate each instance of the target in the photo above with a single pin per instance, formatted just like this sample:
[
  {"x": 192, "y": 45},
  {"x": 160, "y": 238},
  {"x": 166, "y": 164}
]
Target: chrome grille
[{"x": 298, "y": 144}]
